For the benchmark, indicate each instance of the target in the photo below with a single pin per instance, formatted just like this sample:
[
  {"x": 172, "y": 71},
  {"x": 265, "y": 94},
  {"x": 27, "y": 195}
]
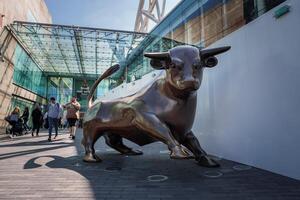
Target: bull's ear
[
  {"x": 212, "y": 52},
  {"x": 158, "y": 60},
  {"x": 208, "y": 56}
]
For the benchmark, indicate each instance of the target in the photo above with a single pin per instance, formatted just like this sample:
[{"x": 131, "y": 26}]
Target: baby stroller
[{"x": 15, "y": 128}]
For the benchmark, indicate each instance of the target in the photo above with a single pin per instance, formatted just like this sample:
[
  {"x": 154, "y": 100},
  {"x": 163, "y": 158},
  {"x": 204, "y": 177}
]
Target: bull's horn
[
  {"x": 215, "y": 51},
  {"x": 158, "y": 55}
]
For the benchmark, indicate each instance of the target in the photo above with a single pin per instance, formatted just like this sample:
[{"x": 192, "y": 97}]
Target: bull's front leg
[
  {"x": 191, "y": 142},
  {"x": 90, "y": 136},
  {"x": 149, "y": 123}
]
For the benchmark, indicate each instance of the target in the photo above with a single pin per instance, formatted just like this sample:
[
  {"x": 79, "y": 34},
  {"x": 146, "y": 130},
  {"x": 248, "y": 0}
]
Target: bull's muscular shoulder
[
  {"x": 154, "y": 98},
  {"x": 151, "y": 93}
]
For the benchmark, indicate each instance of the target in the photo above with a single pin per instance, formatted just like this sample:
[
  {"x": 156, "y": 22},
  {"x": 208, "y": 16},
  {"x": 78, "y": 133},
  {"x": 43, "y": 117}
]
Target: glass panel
[
  {"x": 195, "y": 22},
  {"x": 52, "y": 89},
  {"x": 82, "y": 89},
  {"x": 103, "y": 87},
  {"x": 60, "y": 88},
  {"x": 78, "y": 51},
  {"x": 22, "y": 104},
  {"x": 27, "y": 74}
]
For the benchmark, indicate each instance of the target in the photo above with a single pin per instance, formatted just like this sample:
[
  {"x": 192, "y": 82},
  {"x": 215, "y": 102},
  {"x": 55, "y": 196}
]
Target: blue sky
[{"x": 111, "y": 14}]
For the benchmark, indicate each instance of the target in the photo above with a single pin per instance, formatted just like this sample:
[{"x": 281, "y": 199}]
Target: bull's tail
[{"x": 106, "y": 74}]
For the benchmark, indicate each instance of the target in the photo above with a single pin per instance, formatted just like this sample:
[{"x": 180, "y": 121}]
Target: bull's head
[{"x": 184, "y": 65}]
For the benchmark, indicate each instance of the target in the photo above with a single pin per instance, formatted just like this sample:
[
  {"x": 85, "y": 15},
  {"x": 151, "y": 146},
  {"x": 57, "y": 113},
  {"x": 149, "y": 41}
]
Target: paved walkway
[{"x": 33, "y": 168}]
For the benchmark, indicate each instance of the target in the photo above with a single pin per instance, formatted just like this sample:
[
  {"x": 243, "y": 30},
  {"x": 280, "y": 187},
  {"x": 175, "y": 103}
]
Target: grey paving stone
[{"x": 33, "y": 168}]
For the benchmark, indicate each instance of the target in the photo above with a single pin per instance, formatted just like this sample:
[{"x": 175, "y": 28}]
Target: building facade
[
  {"x": 21, "y": 81},
  {"x": 199, "y": 23}
]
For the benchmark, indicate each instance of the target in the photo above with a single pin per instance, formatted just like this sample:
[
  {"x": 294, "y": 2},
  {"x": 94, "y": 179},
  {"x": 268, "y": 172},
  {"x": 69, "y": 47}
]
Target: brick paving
[{"x": 33, "y": 168}]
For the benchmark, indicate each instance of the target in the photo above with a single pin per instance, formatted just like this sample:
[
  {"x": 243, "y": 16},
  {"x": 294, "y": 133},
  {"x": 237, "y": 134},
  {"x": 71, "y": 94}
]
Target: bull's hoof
[
  {"x": 179, "y": 153},
  {"x": 133, "y": 152},
  {"x": 92, "y": 158},
  {"x": 190, "y": 154},
  {"x": 205, "y": 161}
]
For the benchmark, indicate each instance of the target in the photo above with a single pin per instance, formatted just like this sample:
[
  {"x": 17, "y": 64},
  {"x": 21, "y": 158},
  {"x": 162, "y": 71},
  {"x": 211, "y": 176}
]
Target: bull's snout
[{"x": 189, "y": 84}]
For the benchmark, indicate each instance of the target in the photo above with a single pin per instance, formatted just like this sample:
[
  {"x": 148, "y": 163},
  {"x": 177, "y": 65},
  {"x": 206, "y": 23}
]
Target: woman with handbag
[{"x": 72, "y": 116}]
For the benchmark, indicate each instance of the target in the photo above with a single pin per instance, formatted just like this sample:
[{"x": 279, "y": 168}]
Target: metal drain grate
[
  {"x": 212, "y": 174},
  {"x": 241, "y": 167},
  {"x": 157, "y": 178}
]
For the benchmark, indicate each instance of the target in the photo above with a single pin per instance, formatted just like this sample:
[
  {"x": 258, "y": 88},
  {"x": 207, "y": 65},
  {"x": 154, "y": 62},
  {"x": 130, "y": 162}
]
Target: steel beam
[
  {"x": 144, "y": 14},
  {"x": 81, "y": 28},
  {"x": 78, "y": 51},
  {"x": 71, "y": 75}
]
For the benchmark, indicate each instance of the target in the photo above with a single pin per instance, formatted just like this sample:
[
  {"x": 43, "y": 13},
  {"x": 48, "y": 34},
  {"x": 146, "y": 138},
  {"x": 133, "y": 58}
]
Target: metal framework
[
  {"x": 155, "y": 12},
  {"x": 74, "y": 51}
]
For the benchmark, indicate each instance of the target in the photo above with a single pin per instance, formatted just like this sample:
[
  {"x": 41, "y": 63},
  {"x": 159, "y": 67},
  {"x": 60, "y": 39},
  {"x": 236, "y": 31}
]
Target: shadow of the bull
[{"x": 119, "y": 166}]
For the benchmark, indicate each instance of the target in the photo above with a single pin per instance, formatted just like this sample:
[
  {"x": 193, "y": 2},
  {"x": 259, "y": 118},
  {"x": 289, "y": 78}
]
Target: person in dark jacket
[
  {"x": 25, "y": 117},
  {"x": 37, "y": 119}
]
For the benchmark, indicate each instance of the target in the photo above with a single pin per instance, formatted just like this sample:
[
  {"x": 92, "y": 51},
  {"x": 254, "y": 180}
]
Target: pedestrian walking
[
  {"x": 37, "y": 119},
  {"x": 72, "y": 116},
  {"x": 25, "y": 117},
  {"x": 53, "y": 112}
]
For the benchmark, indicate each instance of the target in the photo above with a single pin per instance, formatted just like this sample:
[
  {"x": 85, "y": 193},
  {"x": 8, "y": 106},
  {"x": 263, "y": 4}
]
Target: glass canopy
[{"x": 61, "y": 50}]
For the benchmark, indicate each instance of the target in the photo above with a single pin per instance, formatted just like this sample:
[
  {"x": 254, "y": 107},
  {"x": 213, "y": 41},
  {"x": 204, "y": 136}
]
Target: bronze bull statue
[{"x": 163, "y": 111}]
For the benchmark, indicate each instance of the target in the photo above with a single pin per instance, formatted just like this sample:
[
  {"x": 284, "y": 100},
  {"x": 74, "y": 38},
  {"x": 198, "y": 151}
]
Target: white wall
[{"x": 249, "y": 105}]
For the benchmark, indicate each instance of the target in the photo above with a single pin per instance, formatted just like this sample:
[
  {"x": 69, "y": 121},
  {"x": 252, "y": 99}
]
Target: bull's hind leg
[
  {"x": 192, "y": 143},
  {"x": 149, "y": 123},
  {"x": 116, "y": 142},
  {"x": 90, "y": 136}
]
